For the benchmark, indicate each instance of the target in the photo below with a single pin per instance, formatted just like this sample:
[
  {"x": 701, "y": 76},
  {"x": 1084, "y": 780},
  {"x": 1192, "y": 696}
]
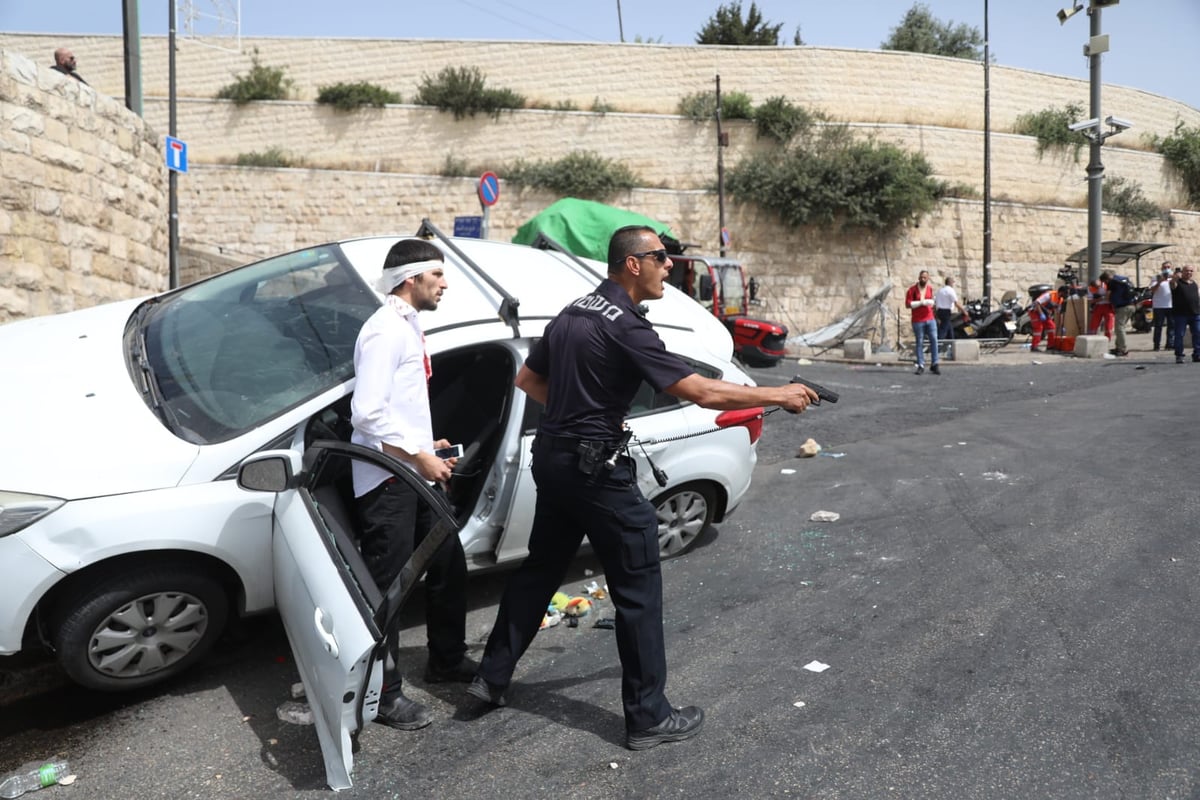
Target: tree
[
  {"x": 921, "y": 32},
  {"x": 726, "y": 26}
]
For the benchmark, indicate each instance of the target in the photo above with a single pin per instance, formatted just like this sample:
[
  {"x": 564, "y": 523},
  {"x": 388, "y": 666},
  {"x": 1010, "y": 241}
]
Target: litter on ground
[{"x": 825, "y": 516}]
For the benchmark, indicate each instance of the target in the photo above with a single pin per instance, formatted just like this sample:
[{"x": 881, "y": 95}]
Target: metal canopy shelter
[{"x": 1115, "y": 253}]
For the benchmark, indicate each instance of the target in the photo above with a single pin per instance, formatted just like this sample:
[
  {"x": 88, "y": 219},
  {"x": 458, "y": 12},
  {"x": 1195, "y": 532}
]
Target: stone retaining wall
[
  {"x": 808, "y": 277},
  {"x": 82, "y": 195}
]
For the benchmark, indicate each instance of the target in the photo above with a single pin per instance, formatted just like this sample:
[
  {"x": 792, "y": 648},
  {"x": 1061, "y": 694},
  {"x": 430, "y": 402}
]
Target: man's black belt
[{"x": 572, "y": 444}]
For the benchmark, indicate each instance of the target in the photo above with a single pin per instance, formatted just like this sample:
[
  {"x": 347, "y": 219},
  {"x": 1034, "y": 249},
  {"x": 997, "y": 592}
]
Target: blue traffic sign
[
  {"x": 176, "y": 154},
  {"x": 724, "y": 237},
  {"x": 489, "y": 188},
  {"x": 470, "y": 227}
]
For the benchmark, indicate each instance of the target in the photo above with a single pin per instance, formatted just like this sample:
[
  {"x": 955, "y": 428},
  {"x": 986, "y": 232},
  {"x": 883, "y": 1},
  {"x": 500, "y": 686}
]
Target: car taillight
[{"x": 749, "y": 418}]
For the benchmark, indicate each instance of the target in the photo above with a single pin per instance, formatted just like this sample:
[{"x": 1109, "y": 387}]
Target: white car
[{"x": 125, "y": 539}]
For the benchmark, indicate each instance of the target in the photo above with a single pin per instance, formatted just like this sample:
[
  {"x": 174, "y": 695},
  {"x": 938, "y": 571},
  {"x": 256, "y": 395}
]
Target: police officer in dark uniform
[{"x": 585, "y": 370}]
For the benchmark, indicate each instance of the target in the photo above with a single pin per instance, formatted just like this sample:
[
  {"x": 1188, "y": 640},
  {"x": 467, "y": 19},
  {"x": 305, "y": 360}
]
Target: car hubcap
[
  {"x": 147, "y": 635},
  {"x": 680, "y": 520}
]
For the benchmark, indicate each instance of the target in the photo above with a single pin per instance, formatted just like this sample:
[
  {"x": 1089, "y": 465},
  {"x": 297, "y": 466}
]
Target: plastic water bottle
[{"x": 30, "y": 780}]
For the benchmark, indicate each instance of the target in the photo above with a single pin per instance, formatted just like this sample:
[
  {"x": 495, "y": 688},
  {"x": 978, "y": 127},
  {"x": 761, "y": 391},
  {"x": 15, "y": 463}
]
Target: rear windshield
[{"x": 227, "y": 354}]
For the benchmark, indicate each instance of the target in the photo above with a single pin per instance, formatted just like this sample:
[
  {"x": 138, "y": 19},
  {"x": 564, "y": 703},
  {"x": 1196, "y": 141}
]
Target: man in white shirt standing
[
  {"x": 390, "y": 413},
  {"x": 1160, "y": 290},
  {"x": 944, "y": 303}
]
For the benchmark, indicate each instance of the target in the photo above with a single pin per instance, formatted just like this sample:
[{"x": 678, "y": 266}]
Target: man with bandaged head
[{"x": 390, "y": 413}]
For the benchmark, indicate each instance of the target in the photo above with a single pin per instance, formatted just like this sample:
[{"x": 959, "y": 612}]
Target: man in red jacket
[{"x": 920, "y": 299}]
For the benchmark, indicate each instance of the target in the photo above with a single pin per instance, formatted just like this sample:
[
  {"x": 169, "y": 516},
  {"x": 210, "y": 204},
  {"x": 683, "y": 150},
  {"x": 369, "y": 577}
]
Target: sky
[{"x": 1154, "y": 43}]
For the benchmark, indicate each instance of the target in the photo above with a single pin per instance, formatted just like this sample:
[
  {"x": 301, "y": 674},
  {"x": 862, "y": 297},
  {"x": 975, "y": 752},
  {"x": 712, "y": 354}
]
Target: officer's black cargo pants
[{"x": 623, "y": 530}]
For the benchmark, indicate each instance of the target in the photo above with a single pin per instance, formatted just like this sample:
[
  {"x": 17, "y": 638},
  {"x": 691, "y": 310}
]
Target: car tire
[
  {"x": 107, "y": 636},
  {"x": 683, "y": 514}
]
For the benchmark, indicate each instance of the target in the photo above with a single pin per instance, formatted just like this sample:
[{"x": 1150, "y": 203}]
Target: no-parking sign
[{"x": 489, "y": 188}]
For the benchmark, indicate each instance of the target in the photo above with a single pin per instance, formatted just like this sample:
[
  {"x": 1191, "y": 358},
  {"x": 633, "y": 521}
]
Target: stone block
[
  {"x": 1091, "y": 346},
  {"x": 964, "y": 350},
  {"x": 856, "y": 348}
]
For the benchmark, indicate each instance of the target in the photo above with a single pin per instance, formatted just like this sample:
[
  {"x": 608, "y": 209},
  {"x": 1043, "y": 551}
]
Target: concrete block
[
  {"x": 964, "y": 350},
  {"x": 1091, "y": 346},
  {"x": 856, "y": 348}
]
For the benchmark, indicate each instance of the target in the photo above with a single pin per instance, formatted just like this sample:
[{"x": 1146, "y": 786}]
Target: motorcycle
[
  {"x": 1143, "y": 310},
  {"x": 981, "y": 322}
]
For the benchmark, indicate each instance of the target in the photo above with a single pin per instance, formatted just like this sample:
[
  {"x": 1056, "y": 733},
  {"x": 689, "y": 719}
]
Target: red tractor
[{"x": 720, "y": 285}]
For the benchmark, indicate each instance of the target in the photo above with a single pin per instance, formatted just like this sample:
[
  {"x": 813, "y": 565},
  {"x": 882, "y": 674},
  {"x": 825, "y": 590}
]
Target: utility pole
[
  {"x": 133, "y": 56},
  {"x": 172, "y": 177},
  {"x": 987, "y": 163},
  {"x": 620, "y": 24},
  {"x": 722, "y": 143},
  {"x": 1095, "y": 168}
]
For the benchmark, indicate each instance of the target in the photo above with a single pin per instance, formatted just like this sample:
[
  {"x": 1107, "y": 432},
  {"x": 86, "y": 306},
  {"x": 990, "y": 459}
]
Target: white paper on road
[{"x": 816, "y": 666}]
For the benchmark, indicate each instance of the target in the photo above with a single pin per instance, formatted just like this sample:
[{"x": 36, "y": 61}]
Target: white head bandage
[{"x": 394, "y": 276}]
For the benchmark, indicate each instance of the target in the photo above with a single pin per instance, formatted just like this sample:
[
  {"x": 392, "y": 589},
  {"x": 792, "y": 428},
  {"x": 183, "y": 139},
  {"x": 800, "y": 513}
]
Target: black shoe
[
  {"x": 1121, "y": 353},
  {"x": 684, "y": 723},
  {"x": 935, "y": 370},
  {"x": 1155, "y": 348},
  {"x": 398, "y": 711},
  {"x": 480, "y": 689},
  {"x": 1178, "y": 359},
  {"x": 462, "y": 672},
  {"x": 920, "y": 370},
  {"x": 1195, "y": 357}
]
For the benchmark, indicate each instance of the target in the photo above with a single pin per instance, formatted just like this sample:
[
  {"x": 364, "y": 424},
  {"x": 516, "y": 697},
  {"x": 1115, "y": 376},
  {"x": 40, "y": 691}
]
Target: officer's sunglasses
[{"x": 659, "y": 255}]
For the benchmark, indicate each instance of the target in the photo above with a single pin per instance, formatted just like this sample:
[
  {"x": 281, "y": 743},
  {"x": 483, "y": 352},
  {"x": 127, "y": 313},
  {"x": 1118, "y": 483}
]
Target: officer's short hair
[
  {"x": 623, "y": 242},
  {"x": 409, "y": 251}
]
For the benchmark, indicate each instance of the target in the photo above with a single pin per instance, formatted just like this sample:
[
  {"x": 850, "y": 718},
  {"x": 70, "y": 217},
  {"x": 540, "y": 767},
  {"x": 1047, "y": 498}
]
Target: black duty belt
[{"x": 572, "y": 444}]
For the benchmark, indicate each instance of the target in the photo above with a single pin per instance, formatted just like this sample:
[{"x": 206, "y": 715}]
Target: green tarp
[{"x": 583, "y": 227}]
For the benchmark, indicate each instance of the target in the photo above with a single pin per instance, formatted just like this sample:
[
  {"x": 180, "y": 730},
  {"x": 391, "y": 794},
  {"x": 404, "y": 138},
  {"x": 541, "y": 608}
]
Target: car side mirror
[{"x": 270, "y": 471}]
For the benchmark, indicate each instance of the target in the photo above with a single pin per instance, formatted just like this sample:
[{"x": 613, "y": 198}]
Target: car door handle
[{"x": 331, "y": 645}]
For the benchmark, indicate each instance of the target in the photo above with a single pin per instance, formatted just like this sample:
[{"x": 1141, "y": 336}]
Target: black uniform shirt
[{"x": 596, "y": 353}]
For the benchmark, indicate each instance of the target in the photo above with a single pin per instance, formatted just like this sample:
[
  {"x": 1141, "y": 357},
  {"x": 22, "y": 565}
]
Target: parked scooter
[
  {"x": 1143, "y": 310},
  {"x": 983, "y": 323}
]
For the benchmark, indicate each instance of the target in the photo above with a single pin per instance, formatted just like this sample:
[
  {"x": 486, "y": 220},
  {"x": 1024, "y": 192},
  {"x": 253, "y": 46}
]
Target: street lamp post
[
  {"x": 987, "y": 164},
  {"x": 1092, "y": 128}
]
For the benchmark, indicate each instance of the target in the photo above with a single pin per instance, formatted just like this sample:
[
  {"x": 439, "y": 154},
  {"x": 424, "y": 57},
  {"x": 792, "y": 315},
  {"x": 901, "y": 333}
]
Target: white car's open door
[{"x": 335, "y": 617}]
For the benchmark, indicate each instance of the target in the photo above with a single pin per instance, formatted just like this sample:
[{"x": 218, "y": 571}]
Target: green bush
[
  {"x": 782, "y": 121},
  {"x": 599, "y": 106},
  {"x": 349, "y": 96},
  {"x": 702, "y": 106},
  {"x": 1182, "y": 151},
  {"x": 454, "y": 167},
  {"x": 463, "y": 92},
  {"x": 1050, "y": 127},
  {"x": 1126, "y": 198},
  {"x": 828, "y": 177},
  {"x": 579, "y": 174},
  {"x": 273, "y": 157},
  {"x": 260, "y": 83}
]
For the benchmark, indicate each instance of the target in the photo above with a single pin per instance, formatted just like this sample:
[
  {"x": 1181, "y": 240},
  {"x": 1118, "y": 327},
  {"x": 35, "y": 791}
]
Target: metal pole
[
  {"x": 172, "y": 178},
  {"x": 620, "y": 24},
  {"x": 133, "y": 56},
  {"x": 987, "y": 163},
  {"x": 1095, "y": 168},
  {"x": 720, "y": 173}
]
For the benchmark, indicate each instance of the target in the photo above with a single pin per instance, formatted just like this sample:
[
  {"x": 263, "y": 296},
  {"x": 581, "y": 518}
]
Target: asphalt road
[{"x": 1007, "y": 605}]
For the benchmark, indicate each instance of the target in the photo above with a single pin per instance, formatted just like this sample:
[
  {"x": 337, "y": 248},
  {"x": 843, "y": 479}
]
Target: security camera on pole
[{"x": 1091, "y": 128}]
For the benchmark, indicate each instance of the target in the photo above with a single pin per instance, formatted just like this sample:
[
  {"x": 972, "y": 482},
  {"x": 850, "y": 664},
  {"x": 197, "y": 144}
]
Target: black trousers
[
  {"x": 1163, "y": 319},
  {"x": 622, "y": 527},
  {"x": 394, "y": 521},
  {"x": 945, "y": 323}
]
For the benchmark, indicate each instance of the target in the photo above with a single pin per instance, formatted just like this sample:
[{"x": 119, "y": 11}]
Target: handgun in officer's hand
[{"x": 822, "y": 392}]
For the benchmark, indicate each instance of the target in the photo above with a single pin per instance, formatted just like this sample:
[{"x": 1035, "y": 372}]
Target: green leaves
[
  {"x": 582, "y": 174},
  {"x": 349, "y": 96},
  {"x": 1182, "y": 150},
  {"x": 260, "y": 83},
  {"x": 1050, "y": 127},
  {"x": 462, "y": 91},
  {"x": 727, "y": 26},
  {"x": 826, "y": 177},
  {"x": 921, "y": 32}
]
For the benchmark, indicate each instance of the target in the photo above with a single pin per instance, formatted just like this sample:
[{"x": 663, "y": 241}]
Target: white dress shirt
[
  {"x": 946, "y": 298},
  {"x": 391, "y": 390}
]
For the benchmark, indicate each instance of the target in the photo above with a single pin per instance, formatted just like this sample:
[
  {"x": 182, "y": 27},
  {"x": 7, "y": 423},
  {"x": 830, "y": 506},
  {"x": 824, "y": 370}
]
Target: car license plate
[{"x": 1009, "y": 325}]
